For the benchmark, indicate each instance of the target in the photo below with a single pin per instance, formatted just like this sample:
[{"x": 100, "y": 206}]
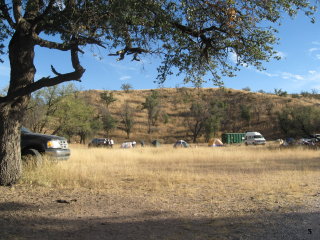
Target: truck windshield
[
  {"x": 25, "y": 130},
  {"x": 257, "y": 136}
]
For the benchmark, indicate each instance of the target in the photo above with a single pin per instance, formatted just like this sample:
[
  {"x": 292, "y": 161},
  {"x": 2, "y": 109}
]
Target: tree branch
[
  {"x": 47, "y": 81},
  {"x": 32, "y": 9},
  {"x": 45, "y": 12},
  {"x": 128, "y": 51},
  {"x": 52, "y": 45},
  {"x": 17, "y": 9},
  {"x": 207, "y": 43},
  {"x": 89, "y": 40},
  {"x": 43, "y": 82},
  {"x": 5, "y": 11},
  {"x": 55, "y": 71},
  {"x": 75, "y": 59},
  {"x": 186, "y": 29},
  {"x": 66, "y": 46}
]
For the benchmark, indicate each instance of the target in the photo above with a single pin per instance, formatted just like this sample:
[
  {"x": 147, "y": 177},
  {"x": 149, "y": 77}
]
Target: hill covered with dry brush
[{"x": 239, "y": 111}]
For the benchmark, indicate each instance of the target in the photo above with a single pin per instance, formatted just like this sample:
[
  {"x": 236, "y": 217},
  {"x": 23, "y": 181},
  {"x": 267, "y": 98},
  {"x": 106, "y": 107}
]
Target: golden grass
[{"x": 235, "y": 178}]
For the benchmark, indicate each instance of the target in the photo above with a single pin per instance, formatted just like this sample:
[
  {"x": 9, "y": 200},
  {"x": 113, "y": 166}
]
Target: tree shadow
[
  {"x": 14, "y": 206},
  {"x": 241, "y": 166},
  {"x": 156, "y": 225}
]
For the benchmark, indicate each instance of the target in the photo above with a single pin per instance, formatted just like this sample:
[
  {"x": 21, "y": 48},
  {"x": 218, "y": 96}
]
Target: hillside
[{"x": 260, "y": 107}]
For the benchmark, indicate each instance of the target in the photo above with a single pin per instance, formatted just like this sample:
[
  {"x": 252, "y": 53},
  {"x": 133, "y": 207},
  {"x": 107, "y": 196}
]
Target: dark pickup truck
[{"x": 35, "y": 144}]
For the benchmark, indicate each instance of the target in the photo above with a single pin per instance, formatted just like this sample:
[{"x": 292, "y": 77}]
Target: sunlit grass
[{"x": 233, "y": 177}]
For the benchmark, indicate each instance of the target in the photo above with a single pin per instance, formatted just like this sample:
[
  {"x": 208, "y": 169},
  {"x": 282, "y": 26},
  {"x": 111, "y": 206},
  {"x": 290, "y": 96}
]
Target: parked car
[
  {"x": 35, "y": 145},
  {"x": 99, "y": 142},
  {"x": 254, "y": 138},
  {"x": 181, "y": 144},
  {"x": 307, "y": 141},
  {"x": 315, "y": 137}
]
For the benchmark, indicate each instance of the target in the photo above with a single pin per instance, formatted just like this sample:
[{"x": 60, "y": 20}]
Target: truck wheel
[{"x": 32, "y": 157}]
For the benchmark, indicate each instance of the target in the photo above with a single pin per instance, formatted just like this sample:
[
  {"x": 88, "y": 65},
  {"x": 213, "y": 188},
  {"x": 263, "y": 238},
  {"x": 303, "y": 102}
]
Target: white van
[{"x": 254, "y": 138}]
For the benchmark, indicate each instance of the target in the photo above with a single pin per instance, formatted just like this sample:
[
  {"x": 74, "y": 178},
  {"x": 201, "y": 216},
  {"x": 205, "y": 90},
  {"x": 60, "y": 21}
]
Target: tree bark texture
[
  {"x": 21, "y": 55},
  {"x": 10, "y": 163}
]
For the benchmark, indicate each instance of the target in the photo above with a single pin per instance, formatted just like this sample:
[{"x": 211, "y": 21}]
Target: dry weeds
[{"x": 226, "y": 177}]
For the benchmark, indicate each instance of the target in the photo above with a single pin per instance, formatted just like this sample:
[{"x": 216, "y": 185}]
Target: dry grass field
[{"x": 165, "y": 193}]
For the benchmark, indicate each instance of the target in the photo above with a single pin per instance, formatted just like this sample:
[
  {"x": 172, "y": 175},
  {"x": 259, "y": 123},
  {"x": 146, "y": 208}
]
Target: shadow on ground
[
  {"x": 232, "y": 167},
  {"x": 16, "y": 224}
]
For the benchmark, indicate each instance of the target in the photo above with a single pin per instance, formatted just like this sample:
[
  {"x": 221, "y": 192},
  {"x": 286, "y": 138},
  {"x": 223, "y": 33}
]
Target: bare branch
[
  {"x": 5, "y": 11},
  {"x": 75, "y": 59},
  {"x": 65, "y": 46},
  {"x": 52, "y": 45},
  {"x": 135, "y": 57},
  {"x": 128, "y": 51},
  {"x": 55, "y": 71},
  {"x": 43, "y": 82},
  {"x": 47, "y": 81}
]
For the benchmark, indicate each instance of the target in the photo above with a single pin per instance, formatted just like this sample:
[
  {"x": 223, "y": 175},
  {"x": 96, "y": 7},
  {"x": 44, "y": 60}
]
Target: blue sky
[{"x": 298, "y": 70}]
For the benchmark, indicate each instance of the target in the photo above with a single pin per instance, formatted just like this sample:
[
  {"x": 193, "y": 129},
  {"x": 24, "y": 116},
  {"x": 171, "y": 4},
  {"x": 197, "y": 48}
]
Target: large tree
[
  {"x": 75, "y": 117},
  {"x": 195, "y": 36}
]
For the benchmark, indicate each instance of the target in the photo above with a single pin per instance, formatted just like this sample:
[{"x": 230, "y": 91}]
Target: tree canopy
[{"x": 195, "y": 37}]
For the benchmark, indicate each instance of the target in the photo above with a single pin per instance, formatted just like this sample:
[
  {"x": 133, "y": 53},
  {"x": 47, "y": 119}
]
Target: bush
[
  {"x": 280, "y": 93},
  {"x": 126, "y": 87}
]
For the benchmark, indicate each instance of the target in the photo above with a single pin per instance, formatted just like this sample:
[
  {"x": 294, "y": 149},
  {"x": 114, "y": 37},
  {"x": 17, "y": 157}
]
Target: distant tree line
[
  {"x": 299, "y": 121},
  {"x": 63, "y": 110}
]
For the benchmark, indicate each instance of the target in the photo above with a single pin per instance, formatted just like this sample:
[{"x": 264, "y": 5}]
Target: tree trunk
[
  {"x": 10, "y": 163},
  {"x": 21, "y": 55},
  {"x": 83, "y": 137}
]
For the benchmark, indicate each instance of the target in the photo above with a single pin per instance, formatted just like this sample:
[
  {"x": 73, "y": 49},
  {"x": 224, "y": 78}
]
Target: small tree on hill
[
  {"x": 109, "y": 123},
  {"x": 196, "y": 118},
  {"x": 217, "y": 111},
  {"x": 280, "y": 92},
  {"x": 126, "y": 87},
  {"x": 153, "y": 107},
  {"x": 245, "y": 113},
  {"x": 127, "y": 119},
  {"x": 107, "y": 98}
]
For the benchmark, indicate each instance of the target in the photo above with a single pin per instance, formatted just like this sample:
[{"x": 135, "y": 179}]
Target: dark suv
[
  {"x": 36, "y": 144},
  {"x": 98, "y": 142}
]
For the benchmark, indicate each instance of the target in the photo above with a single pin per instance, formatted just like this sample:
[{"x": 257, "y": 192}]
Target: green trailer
[{"x": 229, "y": 138}]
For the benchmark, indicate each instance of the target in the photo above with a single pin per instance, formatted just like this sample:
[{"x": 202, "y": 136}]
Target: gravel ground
[{"x": 41, "y": 213}]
